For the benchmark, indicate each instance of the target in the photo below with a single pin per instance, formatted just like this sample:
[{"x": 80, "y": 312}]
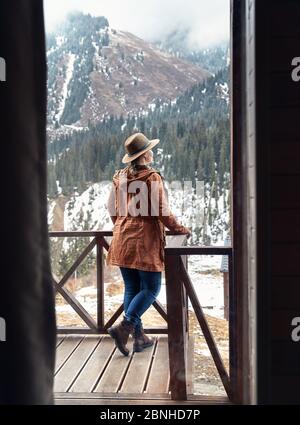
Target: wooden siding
[
  {"x": 243, "y": 188},
  {"x": 278, "y": 209}
]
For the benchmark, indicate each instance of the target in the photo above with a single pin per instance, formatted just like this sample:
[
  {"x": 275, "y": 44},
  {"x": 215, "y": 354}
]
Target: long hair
[{"x": 134, "y": 166}]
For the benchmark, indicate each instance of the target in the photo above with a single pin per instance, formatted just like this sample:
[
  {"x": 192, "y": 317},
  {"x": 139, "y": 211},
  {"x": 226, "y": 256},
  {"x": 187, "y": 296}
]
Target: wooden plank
[
  {"x": 104, "y": 243},
  {"x": 112, "y": 401},
  {"x": 95, "y": 331},
  {"x": 226, "y": 294},
  {"x": 115, "y": 396},
  {"x": 75, "y": 304},
  {"x": 114, "y": 317},
  {"x": 235, "y": 329},
  {"x": 206, "y": 330},
  {"x": 114, "y": 373},
  {"x": 140, "y": 397},
  {"x": 71, "y": 368},
  {"x": 77, "y": 331},
  {"x": 136, "y": 376},
  {"x": 190, "y": 365},
  {"x": 275, "y": 125},
  {"x": 59, "y": 340},
  {"x": 85, "y": 233},
  {"x": 198, "y": 250},
  {"x": 184, "y": 259},
  {"x": 65, "y": 349},
  {"x": 100, "y": 283},
  {"x": 98, "y": 233},
  {"x": 78, "y": 261},
  {"x": 94, "y": 367},
  {"x": 177, "y": 328},
  {"x": 159, "y": 377},
  {"x": 161, "y": 310},
  {"x": 242, "y": 182}
]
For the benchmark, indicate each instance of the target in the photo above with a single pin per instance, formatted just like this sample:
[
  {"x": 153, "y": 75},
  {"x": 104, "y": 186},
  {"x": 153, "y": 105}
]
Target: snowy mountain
[
  {"x": 95, "y": 71},
  {"x": 194, "y": 135},
  {"x": 107, "y": 84}
]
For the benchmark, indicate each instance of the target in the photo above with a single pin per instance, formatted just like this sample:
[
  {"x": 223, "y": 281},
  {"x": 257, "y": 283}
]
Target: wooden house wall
[{"x": 277, "y": 42}]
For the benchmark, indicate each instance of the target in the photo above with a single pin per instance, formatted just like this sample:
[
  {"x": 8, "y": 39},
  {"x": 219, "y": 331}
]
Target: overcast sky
[{"x": 207, "y": 20}]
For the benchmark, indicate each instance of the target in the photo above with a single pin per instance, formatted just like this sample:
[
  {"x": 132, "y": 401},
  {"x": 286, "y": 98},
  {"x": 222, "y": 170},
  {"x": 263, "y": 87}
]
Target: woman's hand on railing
[
  {"x": 189, "y": 233},
  {"x": 184, "y": 231}
]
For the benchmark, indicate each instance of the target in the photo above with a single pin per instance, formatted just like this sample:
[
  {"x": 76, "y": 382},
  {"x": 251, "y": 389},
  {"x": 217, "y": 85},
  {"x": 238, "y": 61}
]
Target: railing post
[
  {"x": 100, "y": 284},
  {"x": 177, "y": 336},
  {"x": 233, "y": 342},
  {"x": 186, "y": 298},
  {"x": 226, "y": 294}
]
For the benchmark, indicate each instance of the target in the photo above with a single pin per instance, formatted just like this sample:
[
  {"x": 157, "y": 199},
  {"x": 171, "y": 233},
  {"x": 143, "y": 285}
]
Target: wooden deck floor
[
  {"x": 90, "y": 370},
  {"x": 92, "y": 364}
]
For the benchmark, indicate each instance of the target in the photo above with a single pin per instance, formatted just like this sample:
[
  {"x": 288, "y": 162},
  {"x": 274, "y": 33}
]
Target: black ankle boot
[
  {"x": 120, "y": 333},
  {"x": 141, "y": 341}
]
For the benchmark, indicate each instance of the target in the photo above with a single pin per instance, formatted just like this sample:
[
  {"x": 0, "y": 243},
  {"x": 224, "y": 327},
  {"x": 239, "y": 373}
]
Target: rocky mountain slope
[{"x": 96, "y": 71}]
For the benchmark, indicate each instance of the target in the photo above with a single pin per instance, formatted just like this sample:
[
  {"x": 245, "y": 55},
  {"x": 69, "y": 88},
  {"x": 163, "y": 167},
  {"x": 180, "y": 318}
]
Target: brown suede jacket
[{"x": 139, "y": 239}]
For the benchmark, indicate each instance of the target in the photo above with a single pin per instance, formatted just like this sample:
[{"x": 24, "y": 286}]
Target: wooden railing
[{"x": 179, "y": 289}]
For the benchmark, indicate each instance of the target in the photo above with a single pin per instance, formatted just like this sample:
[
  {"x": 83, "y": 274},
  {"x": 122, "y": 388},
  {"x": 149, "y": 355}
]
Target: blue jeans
[{"x": 141, "y": 290}]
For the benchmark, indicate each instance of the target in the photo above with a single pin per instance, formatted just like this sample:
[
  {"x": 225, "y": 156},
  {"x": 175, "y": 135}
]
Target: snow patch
[{"x": 69, "y": 73}]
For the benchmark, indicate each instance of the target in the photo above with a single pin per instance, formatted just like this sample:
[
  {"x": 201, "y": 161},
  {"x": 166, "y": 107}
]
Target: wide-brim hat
[{"x": 136, "y": 145}]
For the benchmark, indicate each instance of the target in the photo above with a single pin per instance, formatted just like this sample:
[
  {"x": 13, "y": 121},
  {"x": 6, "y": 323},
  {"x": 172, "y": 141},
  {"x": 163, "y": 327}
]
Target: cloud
[{"x": 207, "y": 22}]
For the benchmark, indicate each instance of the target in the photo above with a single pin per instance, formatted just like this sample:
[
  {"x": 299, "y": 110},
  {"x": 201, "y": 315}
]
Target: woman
[{"x": 138, "y": 242}]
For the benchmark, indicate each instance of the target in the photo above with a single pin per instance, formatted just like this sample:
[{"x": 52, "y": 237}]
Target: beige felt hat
[{"x": 136, "y": 145}]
